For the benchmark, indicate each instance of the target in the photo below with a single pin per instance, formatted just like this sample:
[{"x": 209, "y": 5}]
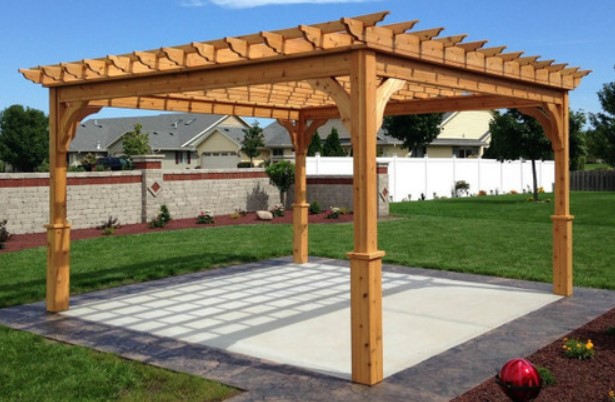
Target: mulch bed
[
  {"x": 22, "y": 241},
  {"x": 576, "y": 380}
]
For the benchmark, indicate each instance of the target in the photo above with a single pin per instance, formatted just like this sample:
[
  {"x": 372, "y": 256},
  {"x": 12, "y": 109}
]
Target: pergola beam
[
  {"x": 433, "y": 105},
  {"x": 284, "y": 70}
]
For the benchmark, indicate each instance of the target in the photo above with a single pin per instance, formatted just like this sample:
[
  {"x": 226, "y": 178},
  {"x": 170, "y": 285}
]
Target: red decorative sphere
[{"x": 519, "y": 380}]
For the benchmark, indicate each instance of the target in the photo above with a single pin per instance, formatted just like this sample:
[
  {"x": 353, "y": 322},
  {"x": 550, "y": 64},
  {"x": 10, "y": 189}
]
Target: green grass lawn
[
  {"x": 596, "y": 166},
  {"x": 35, "y": 369},
  {"x": 503, "y": 236}
]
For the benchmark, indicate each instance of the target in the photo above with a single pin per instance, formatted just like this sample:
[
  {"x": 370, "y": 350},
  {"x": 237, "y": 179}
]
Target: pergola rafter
[{"x": 353, "y": 68}]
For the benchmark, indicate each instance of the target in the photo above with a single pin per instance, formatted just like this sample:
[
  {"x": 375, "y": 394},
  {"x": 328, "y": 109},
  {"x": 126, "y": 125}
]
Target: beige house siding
[
  {"x": 469, "y": 125},
  {"x": 217, "y": 142},
  {"x": 392, "y": 150},
  {"x": 233, "y": 121},
  {"x": 439, "y": 152}
]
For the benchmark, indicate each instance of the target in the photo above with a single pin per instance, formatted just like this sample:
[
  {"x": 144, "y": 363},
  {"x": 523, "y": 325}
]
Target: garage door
[{"x": 219, "y": 160}]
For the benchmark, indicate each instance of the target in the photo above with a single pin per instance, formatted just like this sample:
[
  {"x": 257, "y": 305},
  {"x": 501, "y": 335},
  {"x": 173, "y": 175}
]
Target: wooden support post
[
  {"x": 562, "y": 220},
  {"x": 362, "y": 111},
  {"x": 554, "y": 120},
  {"x": 301, "y": 134},
  {"x": 300, "y": 207},
  {"x": 365, "y": 259},
  {"x": 63, "y": 119}
]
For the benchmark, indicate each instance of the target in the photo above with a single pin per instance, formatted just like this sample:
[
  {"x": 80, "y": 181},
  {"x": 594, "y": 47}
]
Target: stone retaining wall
[{"x": 136, "y": 196}]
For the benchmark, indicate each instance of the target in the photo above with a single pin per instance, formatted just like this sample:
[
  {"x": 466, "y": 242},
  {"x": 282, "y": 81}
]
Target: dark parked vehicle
[{"x": 113, "y": 163}]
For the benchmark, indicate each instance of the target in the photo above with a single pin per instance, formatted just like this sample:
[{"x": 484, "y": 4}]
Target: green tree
[
  {"x": 281, "y": 175},
  {"x": 415, "y": 130},
  {"x": 253, "y": 141},
  {"x": 515, "y": 135},
  {"x": 603, "y": 135},
  {"x": 24, "y": 137},
  {"x": 578, "y": 144},
  {"x": 315, "y": 145},
  {"x": 332, "y": 145},
  {"x": 136, "y": 142}
]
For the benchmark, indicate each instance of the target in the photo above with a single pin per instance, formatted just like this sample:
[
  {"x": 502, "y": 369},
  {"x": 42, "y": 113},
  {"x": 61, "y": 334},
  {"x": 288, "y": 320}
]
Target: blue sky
[{"x": 40, "y": 32}]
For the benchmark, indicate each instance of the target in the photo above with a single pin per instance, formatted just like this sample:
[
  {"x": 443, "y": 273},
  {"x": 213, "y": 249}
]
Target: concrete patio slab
[
  {"x": 300, "y": 314},
  {"x": 438, "y": 378}
]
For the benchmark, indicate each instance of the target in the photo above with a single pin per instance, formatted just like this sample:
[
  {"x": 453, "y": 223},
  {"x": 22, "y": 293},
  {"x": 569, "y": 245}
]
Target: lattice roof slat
[{"x": 398, "y": 39}]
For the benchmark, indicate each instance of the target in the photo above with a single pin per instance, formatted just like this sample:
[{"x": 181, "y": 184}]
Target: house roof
[
  {"x": 235, "y": 134},
  {"x": 166, "y": 131},
  {"x": 276, "y": 135}
]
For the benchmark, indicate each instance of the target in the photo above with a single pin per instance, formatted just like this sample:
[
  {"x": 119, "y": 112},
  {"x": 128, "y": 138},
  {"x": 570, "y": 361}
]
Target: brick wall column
[
  {"x": 152, "y": 181},
  {"x": 383, "y": 188}
]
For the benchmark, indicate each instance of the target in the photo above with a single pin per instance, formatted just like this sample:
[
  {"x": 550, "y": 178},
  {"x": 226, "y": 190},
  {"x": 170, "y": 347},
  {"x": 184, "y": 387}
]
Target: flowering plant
[
  {"x": 205, "y": 217},
  {"x": 333, "y": 213},
  {"x": 576, "y": 349},
  {"x": 278, "y": 210},
  {"x": 611, "y": 396},
  {"x": 237, "y": 212}
]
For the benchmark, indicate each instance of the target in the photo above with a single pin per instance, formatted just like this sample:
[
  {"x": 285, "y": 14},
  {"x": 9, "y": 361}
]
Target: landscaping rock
[{"x": 264, "y": 215}]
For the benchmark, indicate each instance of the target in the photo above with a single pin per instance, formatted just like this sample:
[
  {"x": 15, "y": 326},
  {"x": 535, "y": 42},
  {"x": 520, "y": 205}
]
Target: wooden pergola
[{"x": 353, "y": 69}]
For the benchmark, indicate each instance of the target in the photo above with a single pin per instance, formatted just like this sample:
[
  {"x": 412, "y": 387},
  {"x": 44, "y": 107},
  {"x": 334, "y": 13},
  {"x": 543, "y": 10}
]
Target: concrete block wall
[
  {"x": 186, "y": 193},
  {"x": 92, "y": 197},
  {"x": 136, "y": 196},
  {"x": 336, "y": 191}
]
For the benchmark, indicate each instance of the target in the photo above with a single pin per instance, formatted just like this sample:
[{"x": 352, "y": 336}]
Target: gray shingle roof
[
  {"x": 166, "y": 131},
  {"x": 276, "y": 135}
]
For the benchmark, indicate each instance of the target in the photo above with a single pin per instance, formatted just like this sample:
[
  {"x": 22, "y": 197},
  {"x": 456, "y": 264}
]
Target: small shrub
[
  {"x": 4, "y": 233},
  {"x": 547, "y": 376},
  {"x": 314, "y": 208},
  {"x": 514, "y": 192},
  {"x": 461, "y": 187},
  {"x": 205, "y": 218},
  {"x": 576, "y": 349},
  {"x": 76, "y": 168},
  {"x": 108, "y": 227},
  {"x": 333, "y": 213},
  {"x": 482, "y": 193},
  {"x": 278, "y": 210},
  {"x": 345, "y": 211},
  {"x": 88, "y": 162},
  {"x": 164, "y": 216}
]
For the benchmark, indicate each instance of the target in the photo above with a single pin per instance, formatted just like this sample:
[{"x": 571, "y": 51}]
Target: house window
[
  {"x": 278, "y": 152},
  {"x": 183, "y": 157},
  {"x": 465, "y": 152}
]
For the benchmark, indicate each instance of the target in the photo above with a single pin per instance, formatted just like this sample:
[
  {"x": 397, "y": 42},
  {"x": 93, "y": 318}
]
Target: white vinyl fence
[{"x": 411, "y": 177}]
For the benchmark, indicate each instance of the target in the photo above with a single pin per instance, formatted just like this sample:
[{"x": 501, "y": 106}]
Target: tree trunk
[
  {"x": 282, "y": 199},
  {"x": 534, "y": 180}
]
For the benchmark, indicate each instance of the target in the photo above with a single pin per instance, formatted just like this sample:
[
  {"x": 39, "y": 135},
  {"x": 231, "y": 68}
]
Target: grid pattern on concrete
[
  {"x": 299, "y": 314},
  {"x": 438, "y": 378}
]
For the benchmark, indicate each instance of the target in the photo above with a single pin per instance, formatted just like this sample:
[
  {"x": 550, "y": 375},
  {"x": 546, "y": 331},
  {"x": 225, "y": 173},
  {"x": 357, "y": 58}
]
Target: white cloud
[{"x": 257, "y": 3}]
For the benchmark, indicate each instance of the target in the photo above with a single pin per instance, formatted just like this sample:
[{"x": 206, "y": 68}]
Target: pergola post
[
  {"x": 562, "y": 220},
  {"x": 365, "y": 259},
  {"x": 300, "y": 206},
  {"x": 554, "y": 119},
  {"x": 300, "y": 134},
  {"x": 63, "y": 119}
]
